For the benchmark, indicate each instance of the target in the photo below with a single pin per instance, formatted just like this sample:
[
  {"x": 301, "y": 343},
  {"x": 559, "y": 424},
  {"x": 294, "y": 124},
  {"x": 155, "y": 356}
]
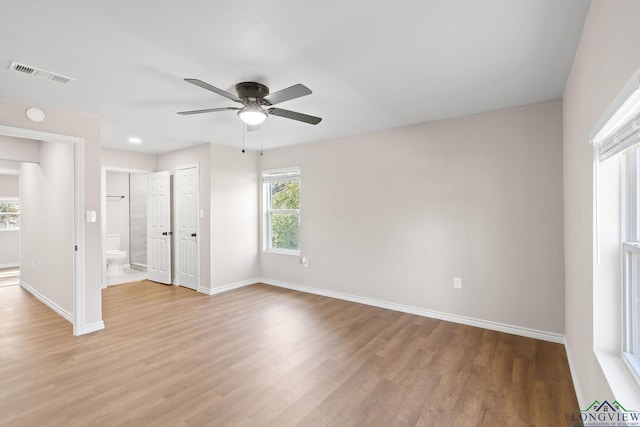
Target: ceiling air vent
[{"x": 39, "y": 72}]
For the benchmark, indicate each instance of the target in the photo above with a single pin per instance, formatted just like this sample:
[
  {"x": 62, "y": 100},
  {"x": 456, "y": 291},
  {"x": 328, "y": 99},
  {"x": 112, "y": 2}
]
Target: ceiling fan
[{"x": 257, "y": 102}]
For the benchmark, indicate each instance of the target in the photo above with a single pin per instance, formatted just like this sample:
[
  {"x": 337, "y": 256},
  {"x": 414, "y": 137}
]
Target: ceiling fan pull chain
[{"x": 244, "y": 131}]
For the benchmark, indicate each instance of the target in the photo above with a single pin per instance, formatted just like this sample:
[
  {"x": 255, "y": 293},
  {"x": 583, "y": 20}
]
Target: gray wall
[
  {"x": 234, "y": 216},
  {"x": 46, "y": 258},
  {"x": 395, "y": 215}
]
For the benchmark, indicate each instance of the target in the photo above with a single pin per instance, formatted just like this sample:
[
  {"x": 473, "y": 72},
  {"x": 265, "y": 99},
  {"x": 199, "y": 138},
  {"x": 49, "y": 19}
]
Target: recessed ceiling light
[{"x": 135, "y": 140}]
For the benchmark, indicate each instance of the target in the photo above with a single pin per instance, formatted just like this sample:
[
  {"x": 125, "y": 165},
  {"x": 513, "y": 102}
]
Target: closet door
[
  {"x": 187, "y": 191},
  {"x": 159, "y": 227}
]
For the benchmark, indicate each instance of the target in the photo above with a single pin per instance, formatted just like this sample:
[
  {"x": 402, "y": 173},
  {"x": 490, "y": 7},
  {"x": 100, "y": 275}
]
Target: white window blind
[
  {"x": 281, "y": 175},
  {"x": 619, "y": 128}
]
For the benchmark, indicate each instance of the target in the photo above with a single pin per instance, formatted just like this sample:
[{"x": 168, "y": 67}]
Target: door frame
[
  {"x": 177, "y": 213},
  {"x": 103, "y": 210},
  {"x": 79, "y": 315}
]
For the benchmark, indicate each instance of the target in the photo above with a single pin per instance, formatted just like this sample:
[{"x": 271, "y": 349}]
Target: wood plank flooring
[{"x": 264, "y": 356}]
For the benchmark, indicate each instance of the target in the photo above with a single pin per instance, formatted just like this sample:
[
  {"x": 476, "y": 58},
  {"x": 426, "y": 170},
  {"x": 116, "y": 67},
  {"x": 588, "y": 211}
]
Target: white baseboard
[
  {"x": 10, "y": 265},
  {"x": 229, "y": 287},
  {"x": 470, "y": 321},
  {"x": 581, "y": 402},
  {"x": 46, "y": 301},
  {"x": 93, "y": 327}
]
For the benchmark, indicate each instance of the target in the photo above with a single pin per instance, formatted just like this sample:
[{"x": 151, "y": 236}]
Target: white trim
[
  {"x": 93, "y": 327},
  {"x": 229, "y": 287},
  {"x": 470, "y": 321},
  {"x": 619, "y": 377},
  {"x": 282, "y": 251},
  {"x": 46, "y": 301},
  {"x": 79, "y": 327},
  {"x": 78, "y": 222},
  {"x": 464, "y": 320},
  {"x": 9, "y": 172},
  {"x": 10, "y": 265},
  {"x": 582, "y": 403}
]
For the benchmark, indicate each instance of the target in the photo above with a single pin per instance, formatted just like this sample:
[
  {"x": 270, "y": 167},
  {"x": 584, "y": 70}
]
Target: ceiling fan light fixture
[{"x": 252, "y": 115}]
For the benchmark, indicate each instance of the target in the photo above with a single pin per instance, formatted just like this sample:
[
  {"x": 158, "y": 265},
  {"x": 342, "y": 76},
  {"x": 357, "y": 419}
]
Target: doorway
[
  {"x": 124, "y": 225},
  {"x": 54, "y": 281},
  {"x": 9, "y": 223}
]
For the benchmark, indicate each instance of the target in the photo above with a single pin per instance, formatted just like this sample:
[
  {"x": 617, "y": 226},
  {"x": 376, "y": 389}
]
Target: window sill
[
  {"x": 282, "y": 252},
  {"x": 4, "y": 230},
  {"x": 620, "y": 379}
]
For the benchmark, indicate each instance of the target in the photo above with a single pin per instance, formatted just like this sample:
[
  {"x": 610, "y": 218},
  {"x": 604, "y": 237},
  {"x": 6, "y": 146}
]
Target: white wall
[
  {"x": 395, "y": 215},
  {"x": 19, "y": 149},
  {"x": 117, "y": 184},
  {"x": 9, "y": 239},
  {"x": 606, "y": 58},
  {"x": 128, "y": 160},
  {"x": 169, "y": 162},
  {"x": 234, "y": 213},
  {"x": 86, "y": 126},
  {"x": 9, "y": 185},
  {"x": 46, "y": 256}
]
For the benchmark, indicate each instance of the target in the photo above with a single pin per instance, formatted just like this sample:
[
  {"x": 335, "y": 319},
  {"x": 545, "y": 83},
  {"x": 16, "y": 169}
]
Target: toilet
[{"x": 115, "y": 257}]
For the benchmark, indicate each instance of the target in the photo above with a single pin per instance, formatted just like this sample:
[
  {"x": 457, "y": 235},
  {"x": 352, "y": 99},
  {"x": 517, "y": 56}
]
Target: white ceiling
[{"x": 371, "y": 65}]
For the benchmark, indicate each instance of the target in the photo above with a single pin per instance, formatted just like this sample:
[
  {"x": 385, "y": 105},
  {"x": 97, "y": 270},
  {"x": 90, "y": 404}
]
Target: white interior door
[
  {"x": 187, "y": 225},
  {"x": 159, "y": 227}
]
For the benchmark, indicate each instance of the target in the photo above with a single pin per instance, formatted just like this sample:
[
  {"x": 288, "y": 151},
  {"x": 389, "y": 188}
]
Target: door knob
[
  {"x": 193, "y": 234},
  {"x": 167, "y": 233}
]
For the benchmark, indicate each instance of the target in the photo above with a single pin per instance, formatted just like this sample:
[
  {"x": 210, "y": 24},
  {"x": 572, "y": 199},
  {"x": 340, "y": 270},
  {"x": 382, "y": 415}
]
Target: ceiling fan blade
[
  {"x": 208, "y": 110},
  {"x": 292, "y": 92},
  {"x": 213, "y": 89},
  {"x": 253, "y": 128},
  {"x": 295, "y": 116}
]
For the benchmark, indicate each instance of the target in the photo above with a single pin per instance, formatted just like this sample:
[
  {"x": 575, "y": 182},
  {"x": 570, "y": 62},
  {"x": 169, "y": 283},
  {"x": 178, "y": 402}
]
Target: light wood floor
[{"x": 267, "y": 356}]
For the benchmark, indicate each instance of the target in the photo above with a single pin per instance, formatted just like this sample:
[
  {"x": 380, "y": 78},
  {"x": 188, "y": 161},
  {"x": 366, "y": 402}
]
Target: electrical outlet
[{"x": 457, "y": 283}]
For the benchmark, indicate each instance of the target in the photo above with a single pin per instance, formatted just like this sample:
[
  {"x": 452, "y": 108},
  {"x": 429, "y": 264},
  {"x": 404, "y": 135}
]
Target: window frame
[
  {"x": 630, "y": 237},
  {"x": 269, "y": 177},
  {"x": 19, "y": 213}
]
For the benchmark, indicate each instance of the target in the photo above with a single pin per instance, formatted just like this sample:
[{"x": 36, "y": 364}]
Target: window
[
  {"x": 631, "y": 257},
  {"x": 615, "y": 139},
  {"x": 281, "y": 190},
  {"x": 9, "y": 214}
]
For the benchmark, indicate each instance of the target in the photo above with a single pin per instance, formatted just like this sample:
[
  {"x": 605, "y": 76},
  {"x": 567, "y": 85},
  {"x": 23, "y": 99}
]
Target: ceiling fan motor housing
[{"x": 251, "y": 90}]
